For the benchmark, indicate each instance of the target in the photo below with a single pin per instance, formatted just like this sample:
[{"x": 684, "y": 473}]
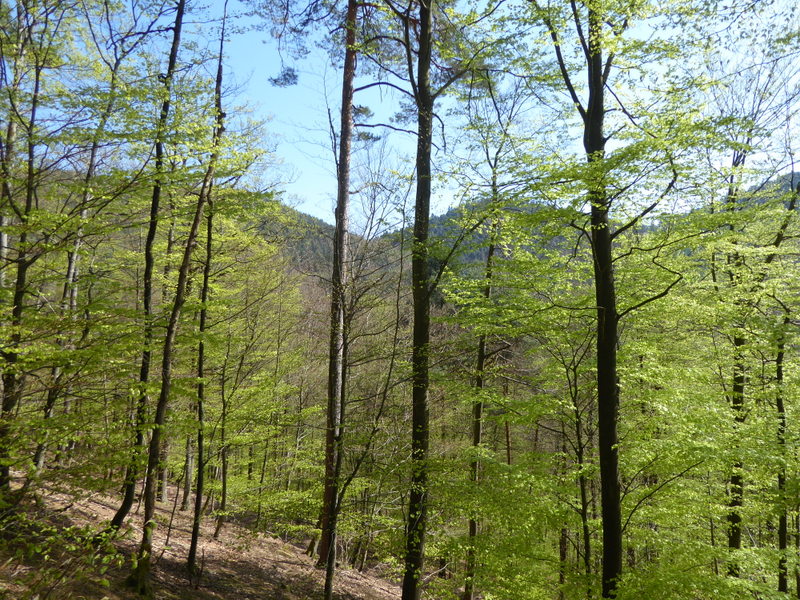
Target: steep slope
[{"x": 55, "y": 558}]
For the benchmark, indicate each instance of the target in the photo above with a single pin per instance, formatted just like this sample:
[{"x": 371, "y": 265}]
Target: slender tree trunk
[
  {"x": 420, "y": 281},
  {"x": 736, "y": 481},
  {"x": 477, "y": 410},
  {"x": 507, "y": 430},
  {"x": 188, "y": 470},
  {"x": 261, "y": 480},
  {"x": 223, "y": 470},
  {"x": 783, "y": 517},
  {"x": 141, "y": 575},
  {"x": 191, "y": 562},
  {"x": 133, "y": 468},
  {"x": 582, "y": 485},
  {"x": 337, "y": 369}
]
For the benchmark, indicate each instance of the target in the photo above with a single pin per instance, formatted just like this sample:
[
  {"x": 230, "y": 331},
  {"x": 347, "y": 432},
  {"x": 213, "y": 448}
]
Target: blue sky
[
  {"x": 296, "y": 119},
  {"x": 297, "y": 116}
]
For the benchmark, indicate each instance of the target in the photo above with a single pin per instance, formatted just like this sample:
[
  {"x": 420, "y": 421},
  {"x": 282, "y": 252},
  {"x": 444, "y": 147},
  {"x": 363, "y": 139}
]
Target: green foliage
[{"x": 703, "y": 209}]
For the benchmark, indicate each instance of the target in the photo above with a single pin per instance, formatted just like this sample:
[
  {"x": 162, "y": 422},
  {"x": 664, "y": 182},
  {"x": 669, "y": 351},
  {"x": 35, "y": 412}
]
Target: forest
[{"x": 581, "y": 381}]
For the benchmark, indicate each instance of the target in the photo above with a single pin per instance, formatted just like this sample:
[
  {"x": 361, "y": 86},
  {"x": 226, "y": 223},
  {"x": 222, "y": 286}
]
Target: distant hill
[{"x": 307, "y": 240}]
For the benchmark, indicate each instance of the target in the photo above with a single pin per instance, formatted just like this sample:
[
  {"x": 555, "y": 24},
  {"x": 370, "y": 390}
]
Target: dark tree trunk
[
  {"x": 783, "y": 517},
  {"x": 191, "y": 561},
  {"x": 477, "y": 414},
  {"x": 223, "y": 470},
  {"x": 133, "y": 469},
  {"x": 594, "y": 142},
  {"x": 736, "y": 481},
  {"x": 420, "y": 281},
  {"x": 563, "y": 540}
]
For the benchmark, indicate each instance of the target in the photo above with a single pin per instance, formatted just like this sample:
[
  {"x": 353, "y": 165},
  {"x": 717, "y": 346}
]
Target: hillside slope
[{"x": 240, "y": 565}]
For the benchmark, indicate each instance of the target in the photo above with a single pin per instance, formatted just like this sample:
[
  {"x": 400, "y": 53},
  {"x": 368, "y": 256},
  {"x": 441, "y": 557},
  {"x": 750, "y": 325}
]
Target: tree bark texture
[
  {"x": 607, "y": 317},
  {"x": 420, "y": 281},
  {"x": 337, "y": 370}
]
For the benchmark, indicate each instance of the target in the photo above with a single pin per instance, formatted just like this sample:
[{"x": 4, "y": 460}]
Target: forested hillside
[{"x": 582, "y": 381}]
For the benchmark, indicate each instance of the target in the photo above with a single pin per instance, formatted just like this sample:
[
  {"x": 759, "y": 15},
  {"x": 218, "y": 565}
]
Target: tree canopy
[{"x": 580, "y": 381}]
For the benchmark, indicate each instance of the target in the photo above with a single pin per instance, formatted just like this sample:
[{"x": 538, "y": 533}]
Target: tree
[
  {"x": 206, "y": 197},
  {"x": 147, "y": 283},
  {"x": 141, "y": 575},
  {"x": 30, "y": 42},
  {"x": 597, "y": 41},
  {"x": 337, "y": 353}
]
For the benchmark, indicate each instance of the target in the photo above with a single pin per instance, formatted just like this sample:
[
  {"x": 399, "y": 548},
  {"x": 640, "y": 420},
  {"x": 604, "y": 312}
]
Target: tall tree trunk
[
  {"x": 783, "y": 517},
  {"x": 133, "y": 468},
  {"x": 191, "y": 561},
  {"x": 337, "y": 370},
  {"x": 420, "y": 281},
  {"x": 140, "y": 578},
  {"x": 477, "y": 410},
  {"x": 594, "y": 142}
]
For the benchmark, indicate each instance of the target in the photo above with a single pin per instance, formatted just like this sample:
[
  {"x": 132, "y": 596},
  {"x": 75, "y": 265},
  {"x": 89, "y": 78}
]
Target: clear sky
[{"x": 296, "y": 118}]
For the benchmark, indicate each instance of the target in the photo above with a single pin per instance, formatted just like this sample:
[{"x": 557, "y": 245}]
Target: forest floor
[{"x": 240, "y": 565}]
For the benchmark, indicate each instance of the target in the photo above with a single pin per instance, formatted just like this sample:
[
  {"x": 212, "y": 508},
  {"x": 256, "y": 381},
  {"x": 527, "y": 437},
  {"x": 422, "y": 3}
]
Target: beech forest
[{"x": 542, "y": 344}]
